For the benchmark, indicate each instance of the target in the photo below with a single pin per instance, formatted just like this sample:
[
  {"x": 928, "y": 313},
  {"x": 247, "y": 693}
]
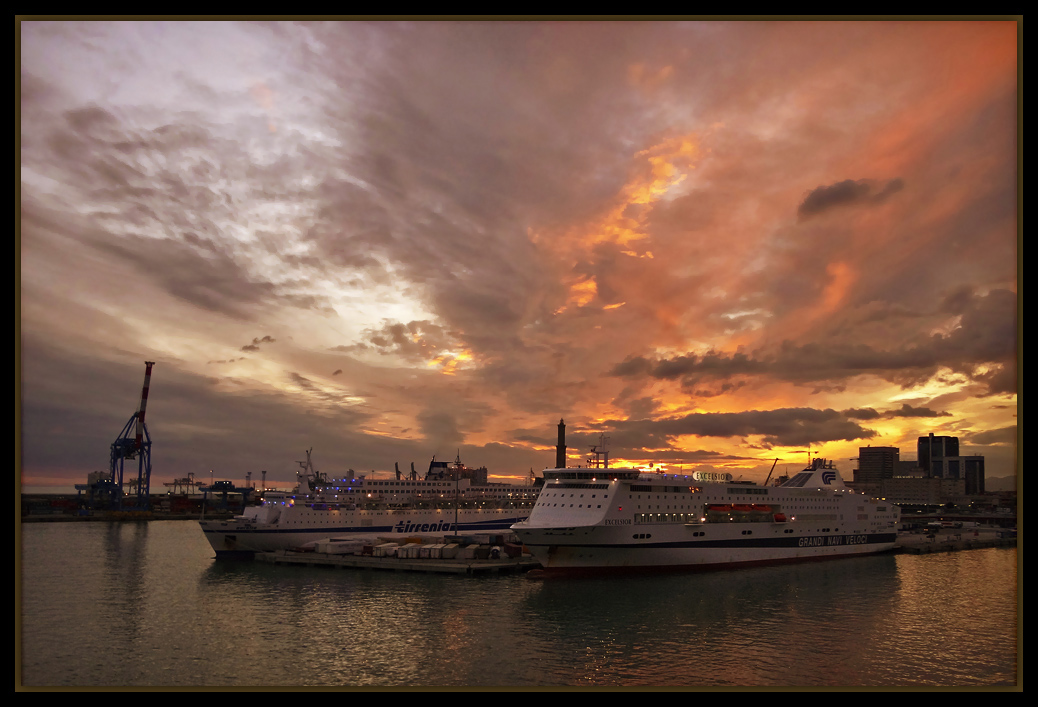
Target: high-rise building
[
  {"x": 973, "y": 473},
  {"x": 876, "y": 464},
  {"x": 932, "y": 452}
]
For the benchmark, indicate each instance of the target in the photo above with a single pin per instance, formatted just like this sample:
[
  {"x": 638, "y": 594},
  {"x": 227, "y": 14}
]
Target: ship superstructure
[
  {"x": 451, "y": 499},
  {"x": 599, "y": 519}
]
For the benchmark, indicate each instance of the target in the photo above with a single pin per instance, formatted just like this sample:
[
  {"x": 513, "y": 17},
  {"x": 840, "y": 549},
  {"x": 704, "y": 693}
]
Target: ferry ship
[
  {"x": 595, "y": 520},
  {"x": 451, "y": 500}
]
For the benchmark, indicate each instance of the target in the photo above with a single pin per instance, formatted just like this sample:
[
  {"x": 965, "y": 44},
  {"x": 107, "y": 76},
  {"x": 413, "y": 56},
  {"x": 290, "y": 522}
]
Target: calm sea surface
[{"x": 145, "y": 604}]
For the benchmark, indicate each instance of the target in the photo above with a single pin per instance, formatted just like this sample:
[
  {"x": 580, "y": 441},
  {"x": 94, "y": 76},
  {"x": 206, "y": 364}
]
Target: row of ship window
[
  {"x": 563, "y": 496},
  {"x": 701, "y": 533}
]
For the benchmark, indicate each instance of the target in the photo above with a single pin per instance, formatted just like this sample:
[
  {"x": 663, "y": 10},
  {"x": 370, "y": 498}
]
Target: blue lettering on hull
[
  {"x": 406, "y": 526},
  {"x": 833, "y": 540}
]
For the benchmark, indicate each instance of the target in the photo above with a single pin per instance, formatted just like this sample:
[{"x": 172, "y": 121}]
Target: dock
[
  {"x": 952, "y": 540},
  {"x": 469, "y": 566},
  {"x": 945, "y": 540}
]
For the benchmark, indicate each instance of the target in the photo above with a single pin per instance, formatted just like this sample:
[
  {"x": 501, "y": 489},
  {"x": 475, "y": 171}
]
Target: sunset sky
[{"x": 716, "y": 243}]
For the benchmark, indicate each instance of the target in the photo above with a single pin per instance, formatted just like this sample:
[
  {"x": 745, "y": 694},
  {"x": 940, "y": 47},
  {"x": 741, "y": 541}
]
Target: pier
[
  {"x": 400, "y": 564},
  {"x": 952, "y": 540}
]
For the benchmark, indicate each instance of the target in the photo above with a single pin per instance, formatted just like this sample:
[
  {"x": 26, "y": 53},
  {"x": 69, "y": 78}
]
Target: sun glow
[{"x": 450, "y": 361}]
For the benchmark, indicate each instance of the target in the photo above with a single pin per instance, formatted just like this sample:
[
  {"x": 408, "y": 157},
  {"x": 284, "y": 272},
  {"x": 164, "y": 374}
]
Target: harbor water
[{"x": 145, "y": 604}]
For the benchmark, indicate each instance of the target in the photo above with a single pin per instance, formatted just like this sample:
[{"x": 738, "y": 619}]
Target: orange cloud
[{"x": 656, "y": 171}]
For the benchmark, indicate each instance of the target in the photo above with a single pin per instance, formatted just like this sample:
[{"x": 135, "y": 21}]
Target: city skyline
[{"x": 717, "y": 243}]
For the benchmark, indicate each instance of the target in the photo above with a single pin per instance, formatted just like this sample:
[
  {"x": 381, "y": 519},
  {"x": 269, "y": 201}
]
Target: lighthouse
[{"x": 560, "y": 448}]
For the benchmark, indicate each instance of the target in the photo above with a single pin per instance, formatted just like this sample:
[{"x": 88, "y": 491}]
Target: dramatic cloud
[
  {"x": 846, "y": 193},
  {"x": 980, "y": 345},
  {"x": 393, "y": 240}
]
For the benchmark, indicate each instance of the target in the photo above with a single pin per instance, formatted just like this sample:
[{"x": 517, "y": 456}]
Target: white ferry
[
  {"x": 593, "y": 520},
  {"x": 450, "y": 500}
]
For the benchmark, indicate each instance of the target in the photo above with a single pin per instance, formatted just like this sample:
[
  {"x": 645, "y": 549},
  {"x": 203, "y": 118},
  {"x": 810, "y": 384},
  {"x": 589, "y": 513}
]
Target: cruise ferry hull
[
  {"x": 617, "y": 520},
  {"x": 244, "y": 537},
  {"x": 583, "y": 552},
  {"x": 445, "y": 502}
]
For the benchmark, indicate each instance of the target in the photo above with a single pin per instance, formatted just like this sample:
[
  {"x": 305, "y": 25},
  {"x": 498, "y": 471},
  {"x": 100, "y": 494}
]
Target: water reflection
[
  {"x": 148, "y": 605},
  {"x": 682, "y": 630}
]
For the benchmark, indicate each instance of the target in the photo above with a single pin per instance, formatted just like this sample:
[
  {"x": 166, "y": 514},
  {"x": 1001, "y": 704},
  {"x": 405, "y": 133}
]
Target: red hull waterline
[{"x": 629, "y": 570}]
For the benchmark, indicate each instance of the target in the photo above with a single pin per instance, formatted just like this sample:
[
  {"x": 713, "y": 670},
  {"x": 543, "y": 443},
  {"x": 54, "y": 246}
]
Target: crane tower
[{"x": 134, "y": 443}]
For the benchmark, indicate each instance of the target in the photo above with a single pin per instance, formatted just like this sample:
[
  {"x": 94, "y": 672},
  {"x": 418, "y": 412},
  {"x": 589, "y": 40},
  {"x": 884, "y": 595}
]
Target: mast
[{"x": 600, "y": 452}]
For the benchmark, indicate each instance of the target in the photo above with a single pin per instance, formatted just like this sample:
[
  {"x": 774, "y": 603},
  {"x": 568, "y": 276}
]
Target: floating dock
[
  {"x": 402, "y": 564},
  {"x": 946, "y": 540},
  {"x": 434, "y": 558}
]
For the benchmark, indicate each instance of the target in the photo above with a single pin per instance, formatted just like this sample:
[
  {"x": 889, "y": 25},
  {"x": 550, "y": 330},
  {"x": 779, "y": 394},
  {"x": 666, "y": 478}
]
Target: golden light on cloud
[
  {"x": 803, "y": 241},
  {"x": 657, "y": 170},
  {"x": 668, "y": 161},
  {"x": 841, "y": 278},
  {"x": 583, "y": 293},
  {"x": 449, "y": 362}
]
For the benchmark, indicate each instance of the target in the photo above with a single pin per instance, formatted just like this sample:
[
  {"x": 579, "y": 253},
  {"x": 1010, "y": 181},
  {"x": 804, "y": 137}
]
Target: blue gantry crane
[{"x": 134, "y": 444}]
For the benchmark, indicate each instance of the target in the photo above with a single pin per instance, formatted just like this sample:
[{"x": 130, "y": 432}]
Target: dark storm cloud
[
  {"x": 459, "y": 153},
  {"x": 190, "y": 419},
  {"x": 1002, "y": 435},
  {"x": 846, "y": 193},
  {"x": 255, "y": 345},
  {"x": 782, "y": 427},
  {"x": 335, "y": 400},
  {"x": 861, "y": 414},
  {"x": 421, "y": 189},
  {"x": 986, "y": 334},
  {"x": 905, "y": 410},
  {"x": 169, "y": 199},
  {"x": 216, "y": 283},
  {"x": 414, "y": 341},
  {"x": 712, "y": 364},
  {"x": 958, "y": 301},
  {"x": 440, "y": 428}
]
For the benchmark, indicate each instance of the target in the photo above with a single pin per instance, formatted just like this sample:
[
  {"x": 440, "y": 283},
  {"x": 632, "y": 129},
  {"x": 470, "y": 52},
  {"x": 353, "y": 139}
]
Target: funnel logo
[{"x": 828, "y": 477}]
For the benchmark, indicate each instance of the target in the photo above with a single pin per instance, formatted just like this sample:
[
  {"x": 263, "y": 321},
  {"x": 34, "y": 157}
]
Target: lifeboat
[
  {"x": 719, "y": 507},
  {"x": 761, "y": 508},
  {"x": 780, "y": 517},
  {"x": 742, "y": 507}
]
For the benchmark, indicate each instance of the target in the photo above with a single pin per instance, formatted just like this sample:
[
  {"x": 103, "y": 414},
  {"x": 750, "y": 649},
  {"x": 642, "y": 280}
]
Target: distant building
[
  {"x": 973, "y": 473},
  {"x": 940, "y": 457},
  {"x": 940, "y": 475},
  {"x": 909, "y": 468},
  {"x": 922, "y": 491},
  {"x": 931, "y": 451},
  {"x": 876, "y": 464}
]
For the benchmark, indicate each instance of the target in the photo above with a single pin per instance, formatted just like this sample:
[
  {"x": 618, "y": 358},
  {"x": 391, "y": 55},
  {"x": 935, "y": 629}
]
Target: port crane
[{"x": 134, "y": 444}]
